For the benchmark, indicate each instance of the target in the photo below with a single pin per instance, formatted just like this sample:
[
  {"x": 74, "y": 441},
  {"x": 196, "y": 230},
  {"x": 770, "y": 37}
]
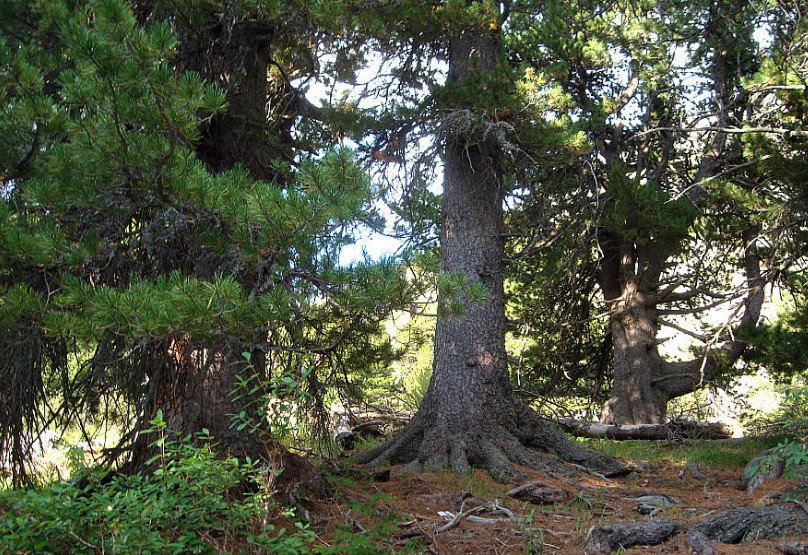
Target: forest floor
[{"x": 401, "y": 513}]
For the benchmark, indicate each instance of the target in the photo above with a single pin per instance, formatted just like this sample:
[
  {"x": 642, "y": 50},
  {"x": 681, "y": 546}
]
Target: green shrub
[
  {"x": 790, "y": 421},
  {"x": 184, "y": 506}
]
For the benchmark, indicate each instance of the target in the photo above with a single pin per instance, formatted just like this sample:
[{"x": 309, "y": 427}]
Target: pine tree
[
  {"x": 156, "y": 225},
  {"x": 670, "y": 207},
  {"x": 470, "y": 415}
]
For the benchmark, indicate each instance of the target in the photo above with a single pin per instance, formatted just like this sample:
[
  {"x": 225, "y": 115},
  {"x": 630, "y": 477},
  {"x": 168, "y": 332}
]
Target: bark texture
[
  {"x": 793, "y": 548},
  {"x": 603, "y": 540},
  {"x": 674, "y": 430},
  {"x": 736, "y": 525},
  {"x": 470, "y": 415},
  {"x": 191, "y": 384}
]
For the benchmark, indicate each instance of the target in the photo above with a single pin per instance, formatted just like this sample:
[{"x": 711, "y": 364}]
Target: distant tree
[{"x": 664, "y": 208}]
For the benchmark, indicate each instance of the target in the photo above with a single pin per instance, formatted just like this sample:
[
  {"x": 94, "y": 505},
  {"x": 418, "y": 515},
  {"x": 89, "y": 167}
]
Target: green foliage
[
  {"x": 354, "y": 538},
  {"x": 184, "y": 506},
  {"x": 730, "y": 453},
  {"x": 273, "y": 408},
  {"x": 790, "y": 421},
  {"x": 780, "y": 346},
  {"x": 121, "y": 237},
  {"x": 644, "y": 213},
  {"x": 457, "y": 292}
]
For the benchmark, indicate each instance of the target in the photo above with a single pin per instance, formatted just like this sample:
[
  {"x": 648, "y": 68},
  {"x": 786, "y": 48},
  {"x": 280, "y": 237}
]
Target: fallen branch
[
  {"x": 539, "y": 493},
  {"x": 677, "y": 429},
  {"x": 793, "y": 548},
  {"x": 458, "y": 518}
]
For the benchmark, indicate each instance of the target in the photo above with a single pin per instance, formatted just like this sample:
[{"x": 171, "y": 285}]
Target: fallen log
[
  {"x": 603, "y": 540},
  {"x": 734, "y": 526},
  {"x": 793, "y": 548},
  {"x": 676, "y": 429}
]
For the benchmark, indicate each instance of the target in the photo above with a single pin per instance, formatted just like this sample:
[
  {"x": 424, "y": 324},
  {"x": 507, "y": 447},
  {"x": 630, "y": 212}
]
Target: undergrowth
[
  {"x": 184, "y": 506},
  {"x": 723, "y": 453}
]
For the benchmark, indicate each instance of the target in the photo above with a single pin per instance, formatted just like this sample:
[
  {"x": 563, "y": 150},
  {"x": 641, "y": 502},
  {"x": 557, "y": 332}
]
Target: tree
[
  {"x": 470, "y": 415},
  {"x": 152, "y": 234},
  {"x": 662, "y": 246}
]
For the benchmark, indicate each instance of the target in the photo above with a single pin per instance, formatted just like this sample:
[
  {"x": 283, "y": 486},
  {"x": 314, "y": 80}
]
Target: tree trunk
[
  {"x": 634, "y": 398},
  {"x": 470, "y": 415},
  {"x": 192, "y": 386},
  {"x": 644, "y": 382},
  {"x": 628, "y": 276},
  {"x": 193, "y": 383}
]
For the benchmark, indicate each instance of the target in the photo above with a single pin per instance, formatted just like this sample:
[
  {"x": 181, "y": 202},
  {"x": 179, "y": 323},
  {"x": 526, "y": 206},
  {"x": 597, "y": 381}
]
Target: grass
[{"x": 722, "y": 453}]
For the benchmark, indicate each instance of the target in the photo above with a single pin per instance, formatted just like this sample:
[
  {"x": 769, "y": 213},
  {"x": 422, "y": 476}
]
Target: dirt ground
[{"x": 400, "y": 513}]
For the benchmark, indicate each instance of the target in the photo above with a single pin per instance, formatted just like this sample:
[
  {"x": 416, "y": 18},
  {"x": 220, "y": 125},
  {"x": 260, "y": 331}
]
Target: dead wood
[
  {"x": 699, "y": 543},
  {"x": 740, "y": 524},
  {"x": 539, "y": 493},
  {"x": 692, "y": 469},
  {"x": 793, "y": 548},
  {"x": 602, "y": 540},
  {"x": 766, "y": 466},
  {"x": 673, "y": 430},
  {"x": 458, "y": 518}
]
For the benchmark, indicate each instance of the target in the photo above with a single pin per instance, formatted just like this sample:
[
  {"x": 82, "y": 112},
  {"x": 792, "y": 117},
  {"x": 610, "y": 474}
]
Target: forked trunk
[{"x": 636, "y": 397}]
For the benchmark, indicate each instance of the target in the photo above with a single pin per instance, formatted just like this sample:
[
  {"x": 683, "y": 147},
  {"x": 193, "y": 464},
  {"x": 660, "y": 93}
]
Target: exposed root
[
  {"x": 431, "y": 442},
  {"x": 736, "y": 525}
]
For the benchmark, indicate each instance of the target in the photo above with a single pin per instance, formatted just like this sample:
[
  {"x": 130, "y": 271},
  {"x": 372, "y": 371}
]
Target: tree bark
[
  {"x": 603, "y": 540},
  {"x": 644, "y": 382},
  {"x": 628, "y": 276},
  {"x": 671, "y": 430},
  {"x": 734, "y": 526},
  {"x": 192, "y": 384},
  {"x": 470, "y": 415}
]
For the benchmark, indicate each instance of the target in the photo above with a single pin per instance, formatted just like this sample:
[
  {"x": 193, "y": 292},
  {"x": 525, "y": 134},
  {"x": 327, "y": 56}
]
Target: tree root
[
  {"x": 739, "y": 524},
  {"x": 431, "y": 442},
  {"x": 603, "y": 540}
]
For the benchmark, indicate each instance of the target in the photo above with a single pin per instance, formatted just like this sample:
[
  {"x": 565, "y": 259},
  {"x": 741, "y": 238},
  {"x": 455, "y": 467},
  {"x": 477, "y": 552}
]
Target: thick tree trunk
[
  {"x": 192, "y": 386},
  {"x": 470, "y": 415},
  {"x": 628, "y": 277},
  {"x": 637, "y": 364},
  {"x": 644, "y": 382}
]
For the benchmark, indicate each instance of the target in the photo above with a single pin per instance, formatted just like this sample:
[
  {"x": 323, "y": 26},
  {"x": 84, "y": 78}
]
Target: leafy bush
[
  {"x": 790, "y": 421},
  {"x": 184, "y": 506}
]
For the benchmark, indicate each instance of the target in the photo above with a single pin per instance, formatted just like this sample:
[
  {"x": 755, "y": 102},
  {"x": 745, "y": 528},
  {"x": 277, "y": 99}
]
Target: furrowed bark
[{"x": 470, "y": 415}]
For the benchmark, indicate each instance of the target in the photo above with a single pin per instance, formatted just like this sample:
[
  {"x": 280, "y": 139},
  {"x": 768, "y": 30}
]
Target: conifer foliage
[{"x": 134, "y": 272}]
